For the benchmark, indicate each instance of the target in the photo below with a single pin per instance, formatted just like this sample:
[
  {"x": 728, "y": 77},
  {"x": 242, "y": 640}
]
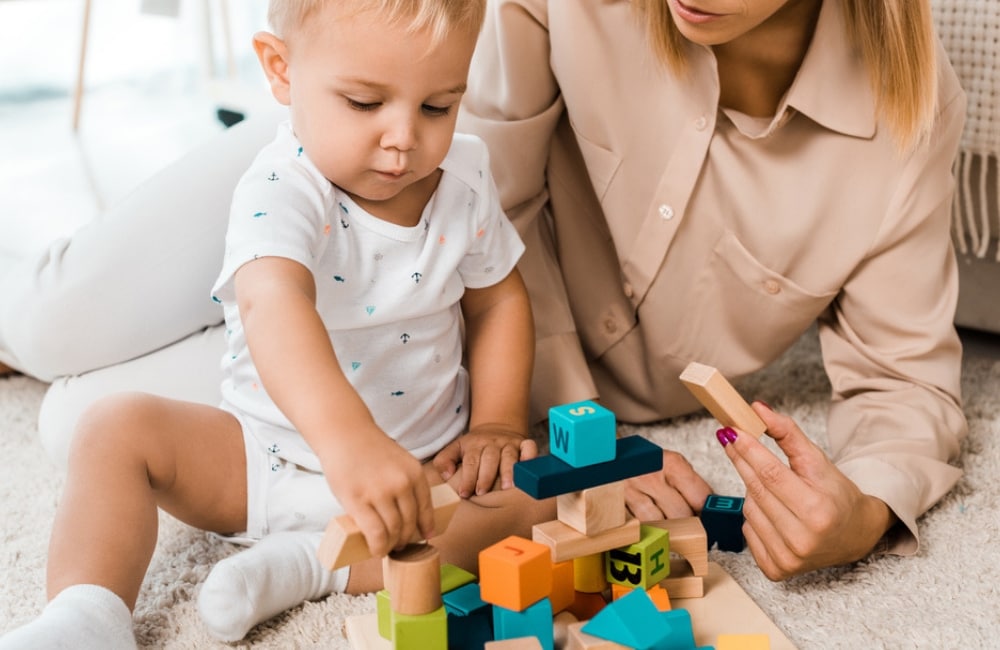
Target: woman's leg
[
  {"x": 188, "y": 370},
  {"x": 135, "y": 279},
  {"x": 135, "y": 453}
]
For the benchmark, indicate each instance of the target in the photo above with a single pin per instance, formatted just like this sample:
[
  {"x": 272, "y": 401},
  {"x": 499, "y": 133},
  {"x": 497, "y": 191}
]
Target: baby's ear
[{"x": 273, "y": 56}]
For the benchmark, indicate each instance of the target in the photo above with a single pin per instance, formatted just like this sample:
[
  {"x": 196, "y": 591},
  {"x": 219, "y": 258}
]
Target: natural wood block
[
  {"x": 515, "y": 573},
  {"x": 567, "y": 543},
  {"x": 720, "y": 398},
  {"x": 560, "y": 628},
  {"x": 577, "y": 639},
  {"x": 412, "y": 577},
  {"x": 362, "y": 633},
  {"x": 593, "y": 510},
  {"x": 343, "y": 543},
  {"x": 687, "y": 539},
  {"x": 682, "y": 582},
  {"x": 589, "y": 574}
]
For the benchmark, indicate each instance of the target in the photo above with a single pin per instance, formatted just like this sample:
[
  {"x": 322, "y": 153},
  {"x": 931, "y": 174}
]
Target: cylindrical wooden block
[{"x": 413, "y": 579}]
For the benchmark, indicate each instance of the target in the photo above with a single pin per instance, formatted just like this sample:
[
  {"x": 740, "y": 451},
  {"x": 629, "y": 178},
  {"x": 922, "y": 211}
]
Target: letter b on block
[{"x": 582, "y": 433}]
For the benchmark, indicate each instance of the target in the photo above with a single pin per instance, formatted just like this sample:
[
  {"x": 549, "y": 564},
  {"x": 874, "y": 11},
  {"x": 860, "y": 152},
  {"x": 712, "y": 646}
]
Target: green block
[
  {"x": 453, "y": 577},
  {"x": 384, "y": 610},
  {"x": 420, "y": 632},
  {"x": 642, "y": 564}
]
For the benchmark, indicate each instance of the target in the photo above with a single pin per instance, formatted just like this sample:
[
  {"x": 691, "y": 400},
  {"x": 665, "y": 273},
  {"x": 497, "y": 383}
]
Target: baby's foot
[{"x": 83, "y": 617}]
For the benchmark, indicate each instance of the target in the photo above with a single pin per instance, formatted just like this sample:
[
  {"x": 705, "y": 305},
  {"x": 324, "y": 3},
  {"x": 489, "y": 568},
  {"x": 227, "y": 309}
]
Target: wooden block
[
  {"x": 560, "y": 628},
  {"x": 687, "y": 539},
  {"x": 593, "y": 510},
  {"x": 589, "y": 574},
  {"x": 563, "y": 586},
  {"x": 582, "y": 433},
  {"x": 585, "y": 605},
  {"x": 720, "y": 398},
  {"x": 343, "y": 543},
  {"x": 423, "y": 632},
  {"x": 743, "y": 642},
  {"x": 642, "y": 563},
  {"x": 632, "y": 621},
  {"x": 682, "y": 583},
  {"x": 535, "y": 620},
  {"x": 568, "y": 544},
  {"x": 722, "y": 518},
  {"x": 515, "y": 573},
  {"x": 521, "y": 643},
  {"x": 548, "y": 476},
  {"x": 412, "y": 576},
  {"x": 362, "y": 633},
  {"x": 577, "y": 639}
]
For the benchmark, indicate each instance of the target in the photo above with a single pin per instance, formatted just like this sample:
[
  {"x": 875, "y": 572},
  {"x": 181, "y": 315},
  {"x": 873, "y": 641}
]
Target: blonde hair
[
  {"x": 438, "y": 16},
  {"x": 896, "y": 41}
]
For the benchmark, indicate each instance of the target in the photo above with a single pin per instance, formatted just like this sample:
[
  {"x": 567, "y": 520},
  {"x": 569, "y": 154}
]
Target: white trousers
[{"x": 124, "y": 303}]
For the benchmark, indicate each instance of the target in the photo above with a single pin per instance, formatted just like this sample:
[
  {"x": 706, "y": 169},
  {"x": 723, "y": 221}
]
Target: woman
[{"x": 694, "y": 181}]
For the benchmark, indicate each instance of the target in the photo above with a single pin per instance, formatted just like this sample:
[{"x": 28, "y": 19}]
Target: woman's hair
[
  {"x": 896, "y": 41},
  {"x": 438, "y": 16}
]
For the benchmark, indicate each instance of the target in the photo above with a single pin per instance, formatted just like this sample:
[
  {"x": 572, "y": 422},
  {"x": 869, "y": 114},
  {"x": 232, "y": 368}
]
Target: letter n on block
[
  {"x": 515, "y": 573},
  {"x": 642, "y": 564},
  {"x": 582, "y": 434}
]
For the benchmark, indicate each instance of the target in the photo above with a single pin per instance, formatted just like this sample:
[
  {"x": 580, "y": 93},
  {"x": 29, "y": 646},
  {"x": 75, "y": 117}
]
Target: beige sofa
[{"x": 970, "y": 32}]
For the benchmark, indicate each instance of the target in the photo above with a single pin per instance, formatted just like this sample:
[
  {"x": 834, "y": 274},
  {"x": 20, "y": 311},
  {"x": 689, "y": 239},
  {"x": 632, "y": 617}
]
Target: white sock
[
  {"x": 279, "y": 572},
  {"x": 81, "y": 617}
]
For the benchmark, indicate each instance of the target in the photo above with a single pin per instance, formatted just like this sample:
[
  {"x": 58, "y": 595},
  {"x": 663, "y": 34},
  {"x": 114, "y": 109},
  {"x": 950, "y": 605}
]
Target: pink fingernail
[
  {"x": 730, "y": 434},
  {"x": 721, "y": 435}
]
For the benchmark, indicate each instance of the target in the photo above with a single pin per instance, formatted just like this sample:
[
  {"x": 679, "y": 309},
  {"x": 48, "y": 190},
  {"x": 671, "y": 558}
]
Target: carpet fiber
[{"x": 945, "y": 597}]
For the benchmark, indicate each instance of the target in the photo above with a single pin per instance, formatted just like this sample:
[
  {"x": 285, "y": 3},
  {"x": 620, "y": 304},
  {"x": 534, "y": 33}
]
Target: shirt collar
[{"x": 833, "y": 87}]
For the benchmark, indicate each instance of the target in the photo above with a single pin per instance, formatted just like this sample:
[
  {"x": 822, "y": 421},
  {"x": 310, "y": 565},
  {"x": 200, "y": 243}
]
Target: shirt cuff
[{"x": 894, "y": 488}]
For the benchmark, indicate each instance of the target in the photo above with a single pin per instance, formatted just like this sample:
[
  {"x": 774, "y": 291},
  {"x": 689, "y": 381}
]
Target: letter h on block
[{"x": 582, "y": 433}]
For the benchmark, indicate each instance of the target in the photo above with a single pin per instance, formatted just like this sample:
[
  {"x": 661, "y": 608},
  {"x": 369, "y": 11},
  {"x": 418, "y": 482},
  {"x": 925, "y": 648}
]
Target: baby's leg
[
  {"x": 133, "y": 453},
  {"x": 478, "y": 522}
]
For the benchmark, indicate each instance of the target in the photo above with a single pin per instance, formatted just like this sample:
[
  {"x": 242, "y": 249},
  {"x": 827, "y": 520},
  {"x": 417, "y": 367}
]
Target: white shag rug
[{"x": 947, "y": 597}]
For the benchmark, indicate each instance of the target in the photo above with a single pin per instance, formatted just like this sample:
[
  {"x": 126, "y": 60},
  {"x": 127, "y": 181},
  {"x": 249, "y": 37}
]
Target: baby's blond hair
[{"x": 437, "y": 16}]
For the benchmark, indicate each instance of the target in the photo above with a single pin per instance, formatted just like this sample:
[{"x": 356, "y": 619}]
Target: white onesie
[{"x": 388, "y": 294}]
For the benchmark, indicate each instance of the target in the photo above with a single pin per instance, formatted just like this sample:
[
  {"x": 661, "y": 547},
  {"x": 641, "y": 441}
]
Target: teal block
[
  {"x": 642, "y": 564},
  {"x": 420, "y": 632},
  {"x": 632, "y": 620},
  {"x": 464, "y": 600},
  {"x": 681, "y": 635},
  {"x": 722, "y": 517},
  {"x": 470, "y": 618},
  {"x": 547, "y": 476},
  {"x": 384, "y": 610},
  {"x": 534, "y": 621},
  {"x": 582, "y": 433}
]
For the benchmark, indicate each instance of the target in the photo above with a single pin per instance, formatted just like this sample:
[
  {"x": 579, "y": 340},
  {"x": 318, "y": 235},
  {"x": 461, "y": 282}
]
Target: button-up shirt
[{"x": 662, "y": 228}]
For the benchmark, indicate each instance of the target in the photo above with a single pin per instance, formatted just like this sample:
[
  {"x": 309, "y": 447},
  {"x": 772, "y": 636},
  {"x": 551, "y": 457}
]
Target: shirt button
[
  {"x": 772, "y": 287},
  {"x": 666, "y": 212},
  {"x": 701, "y": 123},
  {"x": 610, "y": 326},
  {"x": 629, "y": 292}
]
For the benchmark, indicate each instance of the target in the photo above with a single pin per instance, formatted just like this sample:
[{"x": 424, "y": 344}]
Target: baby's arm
[
  {"x": 298, "y": 366},
  {"x": 500, "y": 342}
]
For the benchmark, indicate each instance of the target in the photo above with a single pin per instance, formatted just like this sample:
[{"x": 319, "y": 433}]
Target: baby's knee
[{"x": 111, "y": 428}]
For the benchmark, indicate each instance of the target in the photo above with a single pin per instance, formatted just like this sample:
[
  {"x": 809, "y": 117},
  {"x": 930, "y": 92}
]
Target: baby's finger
[
  {"x": 425, "y": 509},
  {"x": 373, "y": 527},
  {"x": 509, "y": 456},
  {"x": 489, "y": 465},
  {"x": 470, "y": 472}
]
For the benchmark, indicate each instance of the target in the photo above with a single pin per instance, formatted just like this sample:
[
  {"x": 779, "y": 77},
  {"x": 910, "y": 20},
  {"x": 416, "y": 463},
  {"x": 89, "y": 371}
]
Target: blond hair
[
  {"x": 896, "y": 41},
  {"x": 437, "y": 16}
]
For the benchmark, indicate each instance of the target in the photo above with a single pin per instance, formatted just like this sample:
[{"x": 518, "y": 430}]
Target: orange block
[
  {"x": 515, "y": 573},
  {"x": 743, "y": 642},
  {"x": 585, "y": 606},
  {"x": 563, "y": 591},
  {"x": 660, "y": 597}
]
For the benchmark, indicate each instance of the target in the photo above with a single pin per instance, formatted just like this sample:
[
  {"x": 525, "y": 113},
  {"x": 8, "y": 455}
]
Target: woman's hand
[
  {"x": 806, "y": 515},
  {"x": 675, "y": 491}
]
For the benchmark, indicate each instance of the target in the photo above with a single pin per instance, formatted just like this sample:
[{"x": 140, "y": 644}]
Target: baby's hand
[
  {"x": 384, "y": 488},
  {"x": 484, "y": 453}
]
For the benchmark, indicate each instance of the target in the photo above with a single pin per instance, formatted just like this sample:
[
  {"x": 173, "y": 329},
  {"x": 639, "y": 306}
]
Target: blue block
[
  {"x": 582, "y": 433},
  {"x": 548, "y": 476},
  {"x": 470, "y": 618},
  {"x": 722, "y": 517},
  {"x": 633, "y": 621},
  {"x": 681, "y": 635},
  {"x": 534, "y": 621},
  {"x": 464, "y": 600}
]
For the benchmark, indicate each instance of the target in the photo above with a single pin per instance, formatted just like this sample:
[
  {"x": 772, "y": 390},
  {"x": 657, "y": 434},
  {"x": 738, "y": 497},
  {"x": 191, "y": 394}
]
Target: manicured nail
[
  {"x": 721, "y": 435},
  {"x": 730, "y": 434}
]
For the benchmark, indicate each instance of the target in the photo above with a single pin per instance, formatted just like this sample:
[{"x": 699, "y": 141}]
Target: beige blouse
[{"x": 662, "y": 228}]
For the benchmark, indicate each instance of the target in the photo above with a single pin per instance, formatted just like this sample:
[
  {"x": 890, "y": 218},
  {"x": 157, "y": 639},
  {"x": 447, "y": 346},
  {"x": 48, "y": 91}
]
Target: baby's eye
[
  {"x": 362, "y": 106},
  {"x": 435, "y": 110}
]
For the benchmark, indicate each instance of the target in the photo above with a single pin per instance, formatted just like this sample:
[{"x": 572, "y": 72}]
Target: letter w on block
[{"x": 344, "y": 544}]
